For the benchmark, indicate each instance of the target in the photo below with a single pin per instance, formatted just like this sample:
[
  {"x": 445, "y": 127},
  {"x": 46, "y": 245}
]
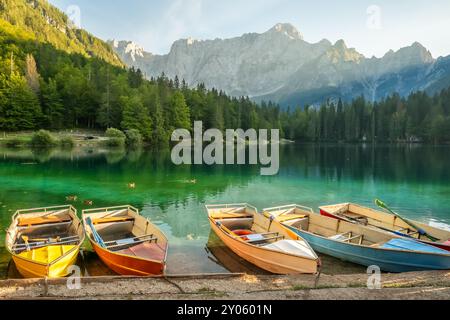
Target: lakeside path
[{"x": 433, "y": 285}]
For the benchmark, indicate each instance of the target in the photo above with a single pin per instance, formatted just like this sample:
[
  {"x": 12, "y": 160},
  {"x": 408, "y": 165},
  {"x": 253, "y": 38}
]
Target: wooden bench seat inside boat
[
  {"x": 348, "y": 237},
  {"x": 36, "y": 221},
  {"x": 243, "y": 223},
  {"x": 112, "y": 220},
  {"x": 298, "y": 221},
  {"x": 256, "y": 238},
  {"x": 291, "y": 217},
  {"x": 263, "y": 238},
  {"x": 145, "y": 250},
  {"x": 226, "y": 215},
  {"x": 133, "y": 240}
]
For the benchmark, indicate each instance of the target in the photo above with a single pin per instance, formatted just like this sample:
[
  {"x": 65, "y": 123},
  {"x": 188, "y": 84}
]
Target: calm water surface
[{"x": 415, "y": 180}]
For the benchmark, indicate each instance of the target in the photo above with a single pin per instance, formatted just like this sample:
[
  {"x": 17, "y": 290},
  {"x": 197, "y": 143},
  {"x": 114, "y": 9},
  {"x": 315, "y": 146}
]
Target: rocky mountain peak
[
  {"x": 287, "y": 29},
  {"x": 340, "y": 44},
  {"x": 411, "y": 55},
  {"x": 129, "y": 48}
]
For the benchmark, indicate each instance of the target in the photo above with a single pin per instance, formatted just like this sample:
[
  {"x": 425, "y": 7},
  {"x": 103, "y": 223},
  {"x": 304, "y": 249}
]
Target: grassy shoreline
[
  {"x": 79, "y": 138},
  {"x": 95, "y": 138}
]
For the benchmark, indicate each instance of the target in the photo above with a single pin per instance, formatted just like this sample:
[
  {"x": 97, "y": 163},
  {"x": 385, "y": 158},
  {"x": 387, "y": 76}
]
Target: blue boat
[{"x": 357, "y": 243}]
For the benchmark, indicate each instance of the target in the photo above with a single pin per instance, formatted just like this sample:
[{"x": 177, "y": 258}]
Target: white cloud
[
  {"x": 180, "y": 20},
  {"x": 206, "y": 19}
]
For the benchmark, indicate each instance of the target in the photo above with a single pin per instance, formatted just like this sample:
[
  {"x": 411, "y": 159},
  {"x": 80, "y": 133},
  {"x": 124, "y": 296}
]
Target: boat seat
[
  {"x": 347, "y": 237},
  {"x": 224, "y": 215},
  {"x": 255, "y": 237},
  {"x": 39, "y": 243},
  {"x": 36, "y": 221},
  {"x": 291, "y": 217},
  {"x": 42, "y": 226},
  {"x": 409, "y": 232},
  {"x": 112, "y": 220},
  {"x": 361, "y": 219},
  {"x": 264, "y": 237},
  {"x": 130, "y": 241}
]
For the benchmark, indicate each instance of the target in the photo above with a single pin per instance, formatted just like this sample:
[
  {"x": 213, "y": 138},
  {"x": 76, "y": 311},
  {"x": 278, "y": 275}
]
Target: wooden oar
[
  {"x": 27, "y": 239},
  {"x": 422, "y": 232},
  {"x": 95, "y": 234}
]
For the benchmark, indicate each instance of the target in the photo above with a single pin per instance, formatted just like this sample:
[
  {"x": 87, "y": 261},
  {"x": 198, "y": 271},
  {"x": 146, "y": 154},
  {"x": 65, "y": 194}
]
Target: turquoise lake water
[{"x": 413, "y": 179}]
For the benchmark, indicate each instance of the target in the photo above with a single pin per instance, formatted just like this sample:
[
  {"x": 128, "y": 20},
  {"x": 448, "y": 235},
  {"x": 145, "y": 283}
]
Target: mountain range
[{"x": 279, "y": 65}]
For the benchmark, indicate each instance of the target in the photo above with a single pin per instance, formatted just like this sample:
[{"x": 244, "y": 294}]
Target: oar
[
  {"x": 422, "y": 232},
  {"x": 27, "y": 239},
  {"x": 95, "y": 234},
  {"x": 356, "y": 221}
]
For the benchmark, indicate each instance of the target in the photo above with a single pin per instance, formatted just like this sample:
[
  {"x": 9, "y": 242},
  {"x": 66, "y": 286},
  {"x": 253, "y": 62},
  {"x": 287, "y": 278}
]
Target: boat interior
[
  {"x": 305, "y": 219},
  {"x": 241, "y": 222},
  {"x": 367, "y": 216},
  {"x": 244, "y": 223},
  {"x": 124, "y": 231},
  {"x": 38, "y": 228}
]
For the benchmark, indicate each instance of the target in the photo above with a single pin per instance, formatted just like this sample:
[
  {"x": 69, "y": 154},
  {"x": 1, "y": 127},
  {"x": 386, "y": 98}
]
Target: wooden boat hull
[
  {"x": 45, "y": 242},
  {"x": 272, "y": 261},
  {"x": 388, "y": 221},
  {"x": 387, "y": 260},
  {"x": 59, "y": 269},
  {"x": 127, "y": 265},
  {"x": 135, "y": 246}
]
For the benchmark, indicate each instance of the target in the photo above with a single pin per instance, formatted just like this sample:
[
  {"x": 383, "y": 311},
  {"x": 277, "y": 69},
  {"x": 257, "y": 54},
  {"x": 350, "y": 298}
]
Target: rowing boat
[
  {"x": 359, "y": 244},
  {"x": 45, "y": 242},
  {"x": 260, "y": 241},
  {"x": 361, "y": 215},
  {"x": 125, "y": 241}
]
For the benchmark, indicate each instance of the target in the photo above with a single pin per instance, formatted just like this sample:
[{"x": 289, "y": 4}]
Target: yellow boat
[
  {"x": 45, "y": 242},
  {"x": 261, "y": 241}
]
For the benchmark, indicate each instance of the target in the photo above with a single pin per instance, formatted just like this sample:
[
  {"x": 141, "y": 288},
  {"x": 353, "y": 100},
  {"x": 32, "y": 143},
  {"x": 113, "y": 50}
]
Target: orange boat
[
  {"x": 262, "y": 241},
  {"x": 125, "y": 241}
]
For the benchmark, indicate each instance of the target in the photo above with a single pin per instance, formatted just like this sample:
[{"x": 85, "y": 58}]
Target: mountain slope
[
  {"x": 49, "y": 25},
  {"x": 279, "y": 65}
]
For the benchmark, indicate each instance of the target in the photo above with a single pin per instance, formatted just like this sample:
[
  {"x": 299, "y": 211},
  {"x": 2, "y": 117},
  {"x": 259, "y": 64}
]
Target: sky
[{"x": 372, "y": 27}]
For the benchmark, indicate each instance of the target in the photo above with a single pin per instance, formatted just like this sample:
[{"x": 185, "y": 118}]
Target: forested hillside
[
  {"x": 43, "y": 87},
  {"x": 49, "y": 25},
  {"x": 55, "y": 80}
]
